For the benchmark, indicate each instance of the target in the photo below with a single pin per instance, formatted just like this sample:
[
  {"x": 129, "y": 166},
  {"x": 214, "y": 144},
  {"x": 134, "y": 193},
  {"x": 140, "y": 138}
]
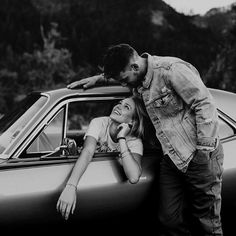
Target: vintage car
[{"x": 35, "y": 162}]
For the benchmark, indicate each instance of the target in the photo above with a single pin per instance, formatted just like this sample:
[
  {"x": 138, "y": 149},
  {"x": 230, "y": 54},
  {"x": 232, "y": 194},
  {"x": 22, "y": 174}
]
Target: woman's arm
[
  {"x": 131, "y": 162},
  {"x": 83, "y": 161},
  {"x": 67, "y": 200}
]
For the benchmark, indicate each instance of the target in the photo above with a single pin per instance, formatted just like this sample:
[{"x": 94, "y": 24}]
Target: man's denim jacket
[{"x": 181, "y": 108}]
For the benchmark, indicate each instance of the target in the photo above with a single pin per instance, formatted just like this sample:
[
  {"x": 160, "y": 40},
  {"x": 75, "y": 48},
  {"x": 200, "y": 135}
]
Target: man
[{"x": 186, "y": 122}]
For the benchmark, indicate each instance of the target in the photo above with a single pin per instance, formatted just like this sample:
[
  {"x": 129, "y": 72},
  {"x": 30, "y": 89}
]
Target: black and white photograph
[{"x": 118, "y": 117}]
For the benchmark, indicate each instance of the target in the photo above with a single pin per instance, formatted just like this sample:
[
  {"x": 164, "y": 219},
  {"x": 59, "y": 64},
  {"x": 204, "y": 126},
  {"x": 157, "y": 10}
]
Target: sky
[{"x": 197, "y": 6}]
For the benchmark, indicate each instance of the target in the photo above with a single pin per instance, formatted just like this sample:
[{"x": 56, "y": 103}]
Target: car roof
[
  {"x": 95, "y": 91},
  {"x": 226, "y": 101}
]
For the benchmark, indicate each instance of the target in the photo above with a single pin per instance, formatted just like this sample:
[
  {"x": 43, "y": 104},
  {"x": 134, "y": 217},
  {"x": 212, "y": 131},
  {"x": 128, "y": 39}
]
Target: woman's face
[{"x": 123, "y": 112}]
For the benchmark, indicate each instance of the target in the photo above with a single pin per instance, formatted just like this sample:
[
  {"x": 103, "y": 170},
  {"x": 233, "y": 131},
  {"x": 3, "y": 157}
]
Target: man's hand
[
  {"x": 86, "y": 82},
  {"x": 201, "y": 156}
]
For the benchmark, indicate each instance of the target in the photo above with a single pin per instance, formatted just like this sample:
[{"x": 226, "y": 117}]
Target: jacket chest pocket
[
  {"x": 167, "y": 104},
  {"x": 163, "y": 101}
]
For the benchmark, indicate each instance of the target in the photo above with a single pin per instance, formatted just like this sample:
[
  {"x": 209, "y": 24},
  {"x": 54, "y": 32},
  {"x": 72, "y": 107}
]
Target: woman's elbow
[{"x": 134, "y": 179}]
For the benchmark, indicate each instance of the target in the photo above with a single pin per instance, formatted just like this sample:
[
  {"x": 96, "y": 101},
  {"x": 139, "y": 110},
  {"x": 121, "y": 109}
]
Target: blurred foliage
[
  {"x": 43, "y": 69},
  {"x": 222, "y": 71},
  {"x": 47, "y": 44}
]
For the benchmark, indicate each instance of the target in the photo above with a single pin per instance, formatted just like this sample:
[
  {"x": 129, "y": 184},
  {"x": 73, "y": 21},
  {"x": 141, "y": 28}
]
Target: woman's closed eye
[{"x": 127, "y": 107}]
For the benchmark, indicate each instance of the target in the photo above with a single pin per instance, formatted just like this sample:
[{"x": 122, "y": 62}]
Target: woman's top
[{"x": 99, "y": 129}]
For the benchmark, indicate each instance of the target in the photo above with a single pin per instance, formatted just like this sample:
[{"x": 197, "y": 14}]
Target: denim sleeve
[{"x": 186, "y": 82}]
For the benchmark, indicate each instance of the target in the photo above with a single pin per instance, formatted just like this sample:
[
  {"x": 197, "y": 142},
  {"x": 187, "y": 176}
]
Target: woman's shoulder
[
  {"x": 102, "y": 121},
  {"x": 98, "y": 127},
  {"x": 134, "y": 139}
]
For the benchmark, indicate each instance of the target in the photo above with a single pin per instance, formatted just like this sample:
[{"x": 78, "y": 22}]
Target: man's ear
[{"x": 135, "y": 67}]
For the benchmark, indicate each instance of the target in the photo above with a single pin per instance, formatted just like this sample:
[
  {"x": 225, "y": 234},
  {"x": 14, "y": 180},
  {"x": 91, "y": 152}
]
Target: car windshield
[{"x": 14, "y": 121}]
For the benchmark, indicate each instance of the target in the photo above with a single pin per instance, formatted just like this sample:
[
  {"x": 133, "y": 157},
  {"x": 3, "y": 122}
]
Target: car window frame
[
  {"x": 63, "y": 110},
  {"x": 230, "y": 122},
  {"x": 64, "y": 103}
]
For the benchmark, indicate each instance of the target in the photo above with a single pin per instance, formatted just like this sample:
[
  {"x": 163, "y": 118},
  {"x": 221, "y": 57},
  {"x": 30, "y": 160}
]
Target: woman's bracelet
[{"x": 72, "y": 185}]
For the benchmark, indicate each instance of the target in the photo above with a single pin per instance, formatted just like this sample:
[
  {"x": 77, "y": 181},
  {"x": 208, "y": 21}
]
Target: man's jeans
[{"x": 198, "y": 191}]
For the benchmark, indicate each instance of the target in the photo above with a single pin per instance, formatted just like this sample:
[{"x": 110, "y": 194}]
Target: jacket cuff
[{"x": 208, "y": 144}]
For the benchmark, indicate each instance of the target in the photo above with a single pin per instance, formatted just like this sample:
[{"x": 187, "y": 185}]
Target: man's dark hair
[{"x": 116, "y": 59}]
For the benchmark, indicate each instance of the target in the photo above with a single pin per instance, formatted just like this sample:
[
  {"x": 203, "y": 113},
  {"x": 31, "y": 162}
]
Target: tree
[{"x": 222, "y": 72}]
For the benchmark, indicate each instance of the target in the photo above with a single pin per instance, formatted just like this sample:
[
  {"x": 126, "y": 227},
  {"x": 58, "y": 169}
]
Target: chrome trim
[
  {"x": 42, "y": 127},
  {"x": 65, "y": 102},
  {"x": 65, "y": 120},
  {"x": 224, "y": 117}
]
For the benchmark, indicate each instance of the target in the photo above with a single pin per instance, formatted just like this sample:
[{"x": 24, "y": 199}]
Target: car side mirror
[{"x": 69, "y": 147}]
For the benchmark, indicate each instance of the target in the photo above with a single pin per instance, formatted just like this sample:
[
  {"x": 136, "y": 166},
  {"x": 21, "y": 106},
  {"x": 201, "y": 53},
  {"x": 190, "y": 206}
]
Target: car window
[
  {"x": 225, "y": 129},
  {"x": 50, "y": 137},
  {"x": 12, "y": 124},
  {"x": 81, "y": 113}
]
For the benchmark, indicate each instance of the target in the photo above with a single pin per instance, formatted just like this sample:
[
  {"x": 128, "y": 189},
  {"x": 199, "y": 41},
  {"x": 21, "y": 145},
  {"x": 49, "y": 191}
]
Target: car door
[{"x": 30, "y": 185}]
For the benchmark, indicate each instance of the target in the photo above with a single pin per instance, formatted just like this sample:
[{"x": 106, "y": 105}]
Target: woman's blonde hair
[{"x": 139, "y": 117}]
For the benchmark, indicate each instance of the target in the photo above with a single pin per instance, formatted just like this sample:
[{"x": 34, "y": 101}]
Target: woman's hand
[
  {"x": 124, "y": 129},
  {"x": 67, "y": 201},
  {"x": 86, "y": 82}
]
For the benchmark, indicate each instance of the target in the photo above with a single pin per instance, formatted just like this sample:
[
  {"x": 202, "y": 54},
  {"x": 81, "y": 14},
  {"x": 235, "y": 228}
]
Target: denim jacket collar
[{"x": 149, "y": 75}]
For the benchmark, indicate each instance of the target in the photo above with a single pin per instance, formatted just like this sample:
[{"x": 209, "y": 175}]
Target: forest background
[{"x": 47, "y": 44}]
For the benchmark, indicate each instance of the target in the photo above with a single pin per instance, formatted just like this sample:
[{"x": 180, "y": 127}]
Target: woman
[{"x": 121, "y": 131}]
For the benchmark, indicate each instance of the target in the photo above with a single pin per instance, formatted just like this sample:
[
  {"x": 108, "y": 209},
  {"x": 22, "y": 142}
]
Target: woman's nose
[{"x": 117, "y": 106}]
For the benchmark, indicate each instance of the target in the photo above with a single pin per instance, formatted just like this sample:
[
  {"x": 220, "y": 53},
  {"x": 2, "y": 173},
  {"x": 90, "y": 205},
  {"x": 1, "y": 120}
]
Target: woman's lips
[{"x": 116, "y": 112}]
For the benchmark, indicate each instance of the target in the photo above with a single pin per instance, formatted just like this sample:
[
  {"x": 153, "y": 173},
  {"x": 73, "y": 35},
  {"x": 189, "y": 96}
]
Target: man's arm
[
  {"x": 188, "y": 85},
  {"x": 92, "y": 81}
]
